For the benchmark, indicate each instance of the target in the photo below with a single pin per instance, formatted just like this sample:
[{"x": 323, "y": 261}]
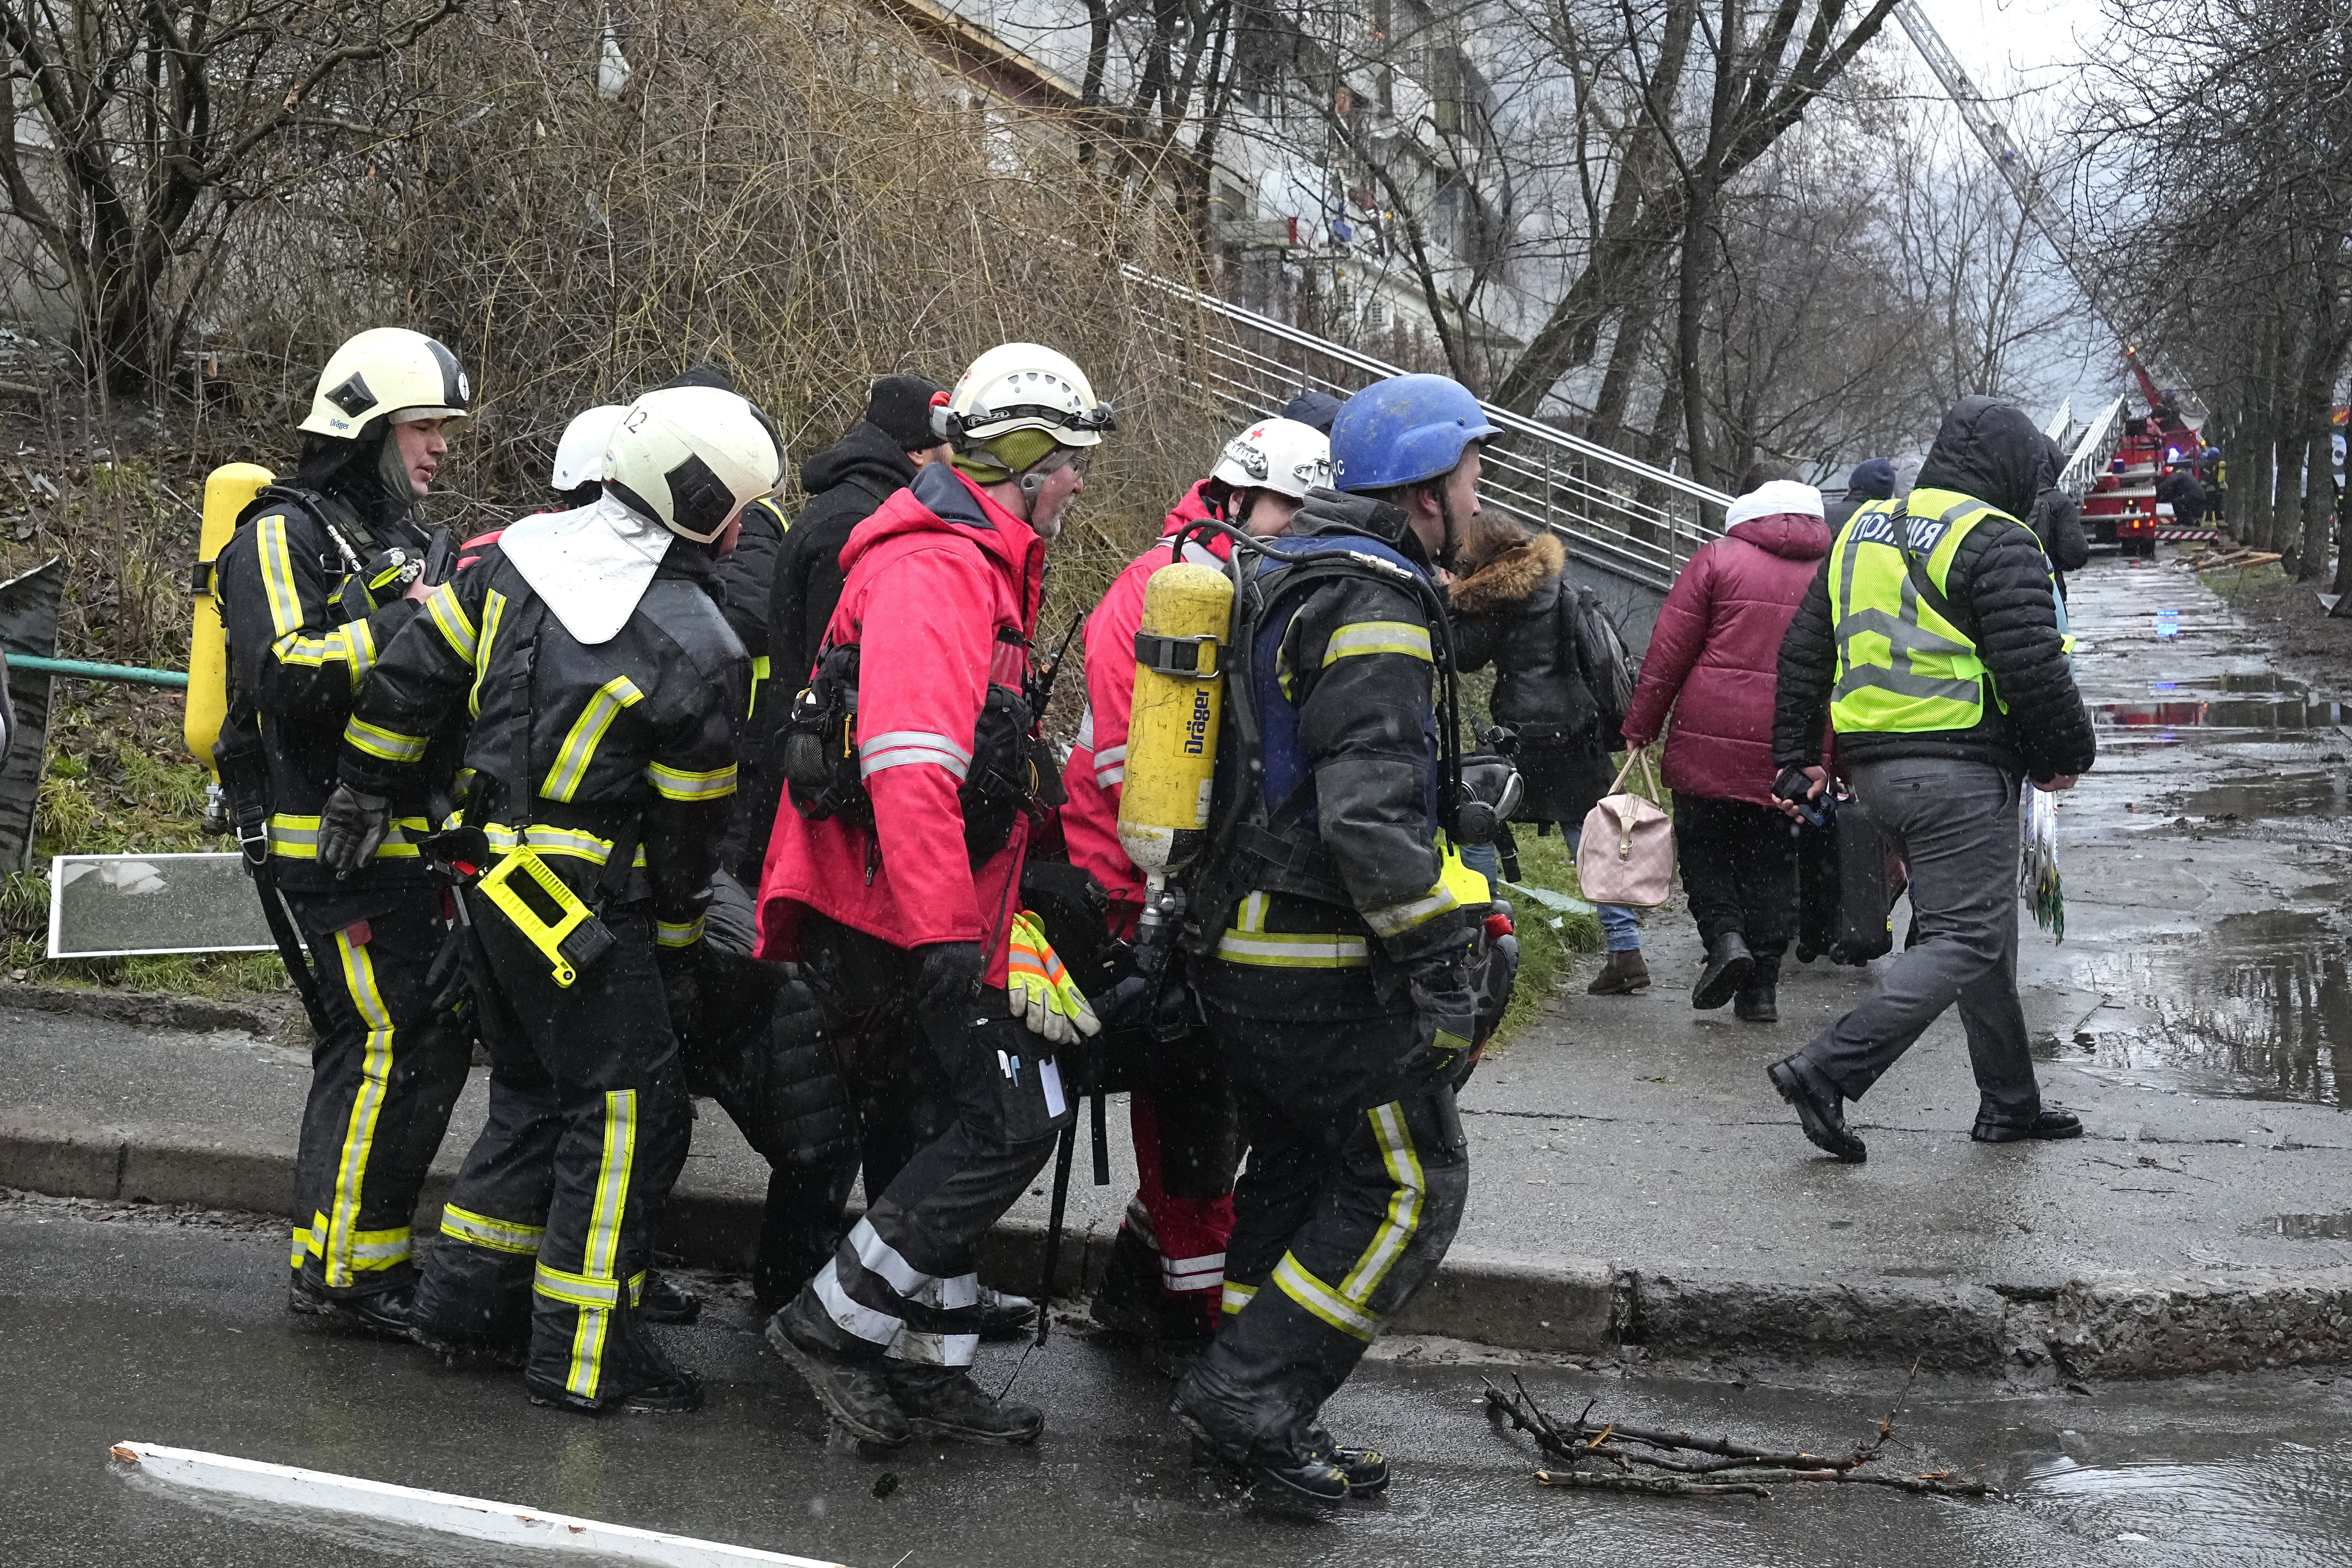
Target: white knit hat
[{"x": 1774, "y": 498}]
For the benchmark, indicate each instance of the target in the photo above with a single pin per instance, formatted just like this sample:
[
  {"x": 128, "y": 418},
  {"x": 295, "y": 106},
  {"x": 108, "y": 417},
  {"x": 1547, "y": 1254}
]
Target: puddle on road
[
  {"x": 2260, "y": 795},
  {"x": 2253, "y": 700},
  {"x": 2259, "y": 1008},
  {"x": 2316, "y": 1227},
  {"x": 2276, "y": 1501}
]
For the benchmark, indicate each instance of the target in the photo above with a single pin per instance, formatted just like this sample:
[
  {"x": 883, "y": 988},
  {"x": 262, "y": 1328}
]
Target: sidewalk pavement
[{"x": 1636, "y": 1181}]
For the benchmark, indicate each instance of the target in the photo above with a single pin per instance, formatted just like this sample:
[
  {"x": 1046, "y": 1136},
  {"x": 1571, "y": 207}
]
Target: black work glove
[
  {"x": 351, "y": 829},
  {"x": 385, "y": 578},
  {"x": 950, "y": 976},
  {"x": 1445, "y": 1016}
]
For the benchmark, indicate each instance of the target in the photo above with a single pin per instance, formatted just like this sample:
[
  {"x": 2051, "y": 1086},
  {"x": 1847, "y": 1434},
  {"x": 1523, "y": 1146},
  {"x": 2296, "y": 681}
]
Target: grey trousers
[{"x": 1955, "y": 824}]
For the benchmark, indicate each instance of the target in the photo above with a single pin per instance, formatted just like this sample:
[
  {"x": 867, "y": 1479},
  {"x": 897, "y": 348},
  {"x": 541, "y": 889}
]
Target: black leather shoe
[
  {"x": 1756, "y": 1005},
  {"x": 384, "y": 1313},
  {"x": 666, "y": 1301},
  {"x": 1127, "y": 1301},
  {"x": 1820, "y": 1113},
  {"x": 1727, "y": 964},
  {"x": 853, "y": 1390},
  {"x": 945, "y": 1401},
  {"x": 2050, "y": 1121},
  {"x": 1003, "y": 1315}
]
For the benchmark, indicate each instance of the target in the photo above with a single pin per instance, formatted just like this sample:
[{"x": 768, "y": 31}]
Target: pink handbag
[{"x": 1627, "y": 853}]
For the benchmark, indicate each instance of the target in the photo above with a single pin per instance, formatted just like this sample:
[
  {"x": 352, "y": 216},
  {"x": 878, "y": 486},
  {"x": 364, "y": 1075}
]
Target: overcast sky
[{"x": 2026, "y": 55}]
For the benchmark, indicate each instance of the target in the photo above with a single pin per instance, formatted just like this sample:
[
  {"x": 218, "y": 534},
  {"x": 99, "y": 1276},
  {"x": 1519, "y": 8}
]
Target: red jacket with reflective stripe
[
  {"x": 941, "y": 598},
  {"x": 1097, "y": 768}
]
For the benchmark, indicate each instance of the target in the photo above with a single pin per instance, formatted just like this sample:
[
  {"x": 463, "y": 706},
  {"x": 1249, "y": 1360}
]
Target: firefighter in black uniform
[
  {"x": 319, "y": 576},
  {"x": 607, "y": 694},
  {"x": 1339, "y": 979}
]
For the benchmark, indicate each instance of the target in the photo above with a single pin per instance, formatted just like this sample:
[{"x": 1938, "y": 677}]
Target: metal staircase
[{"x": 1627, "y": 527}]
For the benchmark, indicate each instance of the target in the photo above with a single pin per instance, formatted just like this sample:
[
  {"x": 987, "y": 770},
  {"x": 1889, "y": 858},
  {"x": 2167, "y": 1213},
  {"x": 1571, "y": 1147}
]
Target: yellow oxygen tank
[
  {"x": 228, "y": 490},
  {"x": 1171, "y": 735}
]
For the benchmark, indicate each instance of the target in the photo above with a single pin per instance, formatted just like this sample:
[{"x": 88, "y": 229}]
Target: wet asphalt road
[{"x": 176, "y": 1333}]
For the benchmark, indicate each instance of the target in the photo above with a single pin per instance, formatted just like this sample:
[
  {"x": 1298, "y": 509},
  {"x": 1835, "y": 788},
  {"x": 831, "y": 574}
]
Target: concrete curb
[
  {"x": 259, "y": 1016},
  {"x": 2113, "y": 1325}
]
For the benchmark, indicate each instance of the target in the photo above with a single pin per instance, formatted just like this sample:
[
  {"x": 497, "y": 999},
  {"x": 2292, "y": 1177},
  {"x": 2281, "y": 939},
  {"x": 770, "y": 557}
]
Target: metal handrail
[{"x": 1613, "y": 512}]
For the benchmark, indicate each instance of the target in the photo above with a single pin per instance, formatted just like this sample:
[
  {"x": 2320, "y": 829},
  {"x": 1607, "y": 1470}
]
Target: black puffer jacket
[
  {"x": 1999, "y": 583},
  {"x": 844, "y": 484},
  {"x": 1508, "y": 613}
]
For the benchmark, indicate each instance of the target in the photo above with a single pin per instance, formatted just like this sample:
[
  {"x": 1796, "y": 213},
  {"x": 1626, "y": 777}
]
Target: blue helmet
[{"x": 1404, "y": 430}]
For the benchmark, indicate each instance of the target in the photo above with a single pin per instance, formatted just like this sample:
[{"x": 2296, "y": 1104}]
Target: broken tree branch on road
[{"x": 1611, "y": 1456}]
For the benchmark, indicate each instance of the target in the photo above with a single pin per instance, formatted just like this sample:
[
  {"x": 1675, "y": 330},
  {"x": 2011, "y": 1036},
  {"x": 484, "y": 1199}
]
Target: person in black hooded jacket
[
  {"x": 1945, "y": 798},
  {"x": 845, "y": 483}
]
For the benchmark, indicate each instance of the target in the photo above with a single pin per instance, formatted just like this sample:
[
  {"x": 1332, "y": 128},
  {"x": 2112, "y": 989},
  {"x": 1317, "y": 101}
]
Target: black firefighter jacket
[
  {"x": 1347, "y": 713},
  {"x": 303, "y": 635},
  {"x": 1999, "y": 583},
  {"x": 574, "y": 748}
]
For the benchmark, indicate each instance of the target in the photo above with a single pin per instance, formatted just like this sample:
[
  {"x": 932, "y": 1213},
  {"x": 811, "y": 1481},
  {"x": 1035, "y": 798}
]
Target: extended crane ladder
[
  {"x": 2024, "y": 182},
  {"x": 2099, "y": 440},
  {"x": 1612, "y": 513}
]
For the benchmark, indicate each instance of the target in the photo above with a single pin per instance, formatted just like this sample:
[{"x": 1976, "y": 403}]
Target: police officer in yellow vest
[{"x": 1935, "y": 642}]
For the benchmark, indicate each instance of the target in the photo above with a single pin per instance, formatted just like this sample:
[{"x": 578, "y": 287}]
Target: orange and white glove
[{"x": 1039, "y": 990}]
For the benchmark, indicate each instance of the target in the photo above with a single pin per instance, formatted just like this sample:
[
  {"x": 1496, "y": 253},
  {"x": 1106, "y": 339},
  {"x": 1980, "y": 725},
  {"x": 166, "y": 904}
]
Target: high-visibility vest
[{"x": 1902, "y": 667}]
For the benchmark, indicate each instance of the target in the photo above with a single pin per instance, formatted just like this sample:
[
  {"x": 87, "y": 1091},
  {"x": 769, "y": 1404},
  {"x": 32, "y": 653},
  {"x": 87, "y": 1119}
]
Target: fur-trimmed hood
[{"x": 1509, "y": 577}]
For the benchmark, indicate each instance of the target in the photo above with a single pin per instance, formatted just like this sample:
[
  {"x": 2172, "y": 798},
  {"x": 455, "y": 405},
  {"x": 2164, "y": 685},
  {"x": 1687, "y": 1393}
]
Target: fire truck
[{"x": 2120, "y": 505}]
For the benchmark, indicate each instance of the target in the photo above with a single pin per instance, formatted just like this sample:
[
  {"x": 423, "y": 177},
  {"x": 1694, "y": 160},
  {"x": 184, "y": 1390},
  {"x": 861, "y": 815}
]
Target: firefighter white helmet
[
  {"x": 1021, "y": 386},
  {"x": 691, "y": 457},
  {"x": 387, "y": 372},
  {"x": 1278, "y": 455},
  {"x": 580, "y": 455}
]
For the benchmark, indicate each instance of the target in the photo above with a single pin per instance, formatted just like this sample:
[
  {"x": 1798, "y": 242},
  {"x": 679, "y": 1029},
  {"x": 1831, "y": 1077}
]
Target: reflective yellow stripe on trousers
[
  {"x": 594, "y": 1291},
  {"x": 344, "y": 1235},
  {"x": 1348, "y": 1306}
]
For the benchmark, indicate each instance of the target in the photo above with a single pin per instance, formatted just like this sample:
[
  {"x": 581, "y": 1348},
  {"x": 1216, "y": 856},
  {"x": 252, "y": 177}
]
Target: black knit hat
[{"x": 901, "y": 407}]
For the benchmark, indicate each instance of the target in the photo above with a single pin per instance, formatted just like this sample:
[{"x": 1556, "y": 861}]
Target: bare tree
[{"x": 131, "y": 132}]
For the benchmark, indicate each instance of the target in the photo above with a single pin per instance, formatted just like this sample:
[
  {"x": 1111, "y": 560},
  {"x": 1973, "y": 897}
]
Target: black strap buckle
[{"x": 1193, "y": 659}]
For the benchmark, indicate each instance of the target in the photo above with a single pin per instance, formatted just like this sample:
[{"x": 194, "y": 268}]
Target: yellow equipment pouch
[{"x": 547, "y": 913}]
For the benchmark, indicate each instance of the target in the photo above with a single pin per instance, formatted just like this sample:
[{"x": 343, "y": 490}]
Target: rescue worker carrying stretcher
[
  {"x": 914, "y": 767},
  {"x": 1340, "y": 940},
  {"x": 1166, "y": 1271},
  {"x": 319, "y": 578},
  {"x": 606, "y": 691}
]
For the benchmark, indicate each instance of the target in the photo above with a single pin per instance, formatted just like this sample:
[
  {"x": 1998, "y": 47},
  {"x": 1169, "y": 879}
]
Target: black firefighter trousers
[
  {"x": 383, "y": 1079},
  {"x": 550, "y": 1228},
  {"x": 1344, "y": 1211},
  {"x": 903, "y": 1284}
]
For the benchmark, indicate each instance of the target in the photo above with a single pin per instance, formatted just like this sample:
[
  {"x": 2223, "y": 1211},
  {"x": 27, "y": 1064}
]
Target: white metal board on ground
[
  {"x": 477, "y": 1519},
  {"x": 123, "y": 906}
]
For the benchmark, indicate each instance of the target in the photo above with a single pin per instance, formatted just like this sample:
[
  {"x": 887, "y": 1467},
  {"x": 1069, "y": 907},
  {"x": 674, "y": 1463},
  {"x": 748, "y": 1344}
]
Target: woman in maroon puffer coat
[{"x": 1715, "y": 660}]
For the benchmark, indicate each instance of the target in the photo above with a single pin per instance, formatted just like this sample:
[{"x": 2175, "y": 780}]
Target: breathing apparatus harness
[{"x": 1246, "y": 829}]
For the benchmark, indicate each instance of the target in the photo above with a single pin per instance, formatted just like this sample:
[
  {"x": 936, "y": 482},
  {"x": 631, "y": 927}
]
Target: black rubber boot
[
  {"x": 1758, "y": 1003},
  {"x": 666, "y": 1301},
  {"x": 1367, "y": 1470},
  {"x": 945, "y": 1401},
  {"x": 384, "y": 1313},
  {"x": 1003, "y": 1315},
  {"x": 636, "y": 1376},
  {"x": 849, "y": 1385},
  {"x": 1127, "y": 1300},
  {"x": 1313, "y": 1479},
  {"x": 1728, "y": 966}
]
